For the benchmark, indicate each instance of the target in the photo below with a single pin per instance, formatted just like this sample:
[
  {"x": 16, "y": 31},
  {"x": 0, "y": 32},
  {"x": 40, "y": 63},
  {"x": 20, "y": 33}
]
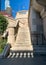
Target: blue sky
[{"x": 16, "y": 5}]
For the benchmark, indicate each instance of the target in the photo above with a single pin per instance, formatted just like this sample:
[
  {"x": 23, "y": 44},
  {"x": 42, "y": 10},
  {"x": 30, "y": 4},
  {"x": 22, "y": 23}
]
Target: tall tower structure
[{"x": 8, "y": 7}]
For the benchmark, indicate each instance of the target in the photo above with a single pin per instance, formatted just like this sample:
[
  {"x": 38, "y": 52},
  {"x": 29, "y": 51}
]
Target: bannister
[{"x": 6, "y": 51}]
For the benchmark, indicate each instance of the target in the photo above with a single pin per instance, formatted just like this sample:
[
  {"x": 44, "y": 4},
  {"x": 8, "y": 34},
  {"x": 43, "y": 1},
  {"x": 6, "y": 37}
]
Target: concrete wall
[
  {"x": 11, "y": 31},
  {"x": 35, "y": 24},
  {"x": 36, "y": 6}
]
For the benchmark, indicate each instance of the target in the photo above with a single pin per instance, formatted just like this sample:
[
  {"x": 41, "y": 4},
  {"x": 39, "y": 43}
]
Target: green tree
[{"x": 3, "y": 24}]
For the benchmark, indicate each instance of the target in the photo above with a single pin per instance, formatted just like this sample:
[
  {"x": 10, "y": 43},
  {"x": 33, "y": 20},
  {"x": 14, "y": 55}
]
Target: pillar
[
  {"x": 35, "y": 27},
  {"x": 44, "y": 26},
  {"x": 43, "y": 14}
]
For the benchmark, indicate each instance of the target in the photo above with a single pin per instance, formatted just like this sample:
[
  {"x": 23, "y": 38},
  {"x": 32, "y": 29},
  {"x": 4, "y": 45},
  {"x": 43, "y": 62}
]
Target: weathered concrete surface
[
  {"x": 23, "y": 40},
  {"x": 11, "y": 36}
]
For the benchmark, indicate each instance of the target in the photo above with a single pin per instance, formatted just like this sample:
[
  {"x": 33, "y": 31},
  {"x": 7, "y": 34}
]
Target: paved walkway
[{"x": 38, "y": 60}]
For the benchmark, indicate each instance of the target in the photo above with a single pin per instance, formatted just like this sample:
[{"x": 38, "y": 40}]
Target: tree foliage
[{"x": 3, "y": 24}]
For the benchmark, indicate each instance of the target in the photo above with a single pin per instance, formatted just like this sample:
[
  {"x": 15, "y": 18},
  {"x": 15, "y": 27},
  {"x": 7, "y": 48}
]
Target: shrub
[{"x": 3, "y": 24}]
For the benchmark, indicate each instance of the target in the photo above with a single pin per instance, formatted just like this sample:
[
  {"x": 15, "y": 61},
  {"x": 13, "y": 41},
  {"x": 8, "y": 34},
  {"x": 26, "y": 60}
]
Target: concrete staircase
[
  {"x": 37, "y": 50},
  {"x": 23, "y": 40},
  {"x": 23, "y": 51}
]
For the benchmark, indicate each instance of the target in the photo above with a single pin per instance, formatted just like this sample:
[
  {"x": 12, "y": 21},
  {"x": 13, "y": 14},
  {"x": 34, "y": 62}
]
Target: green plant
[
  {"x": 3, "y": 24},
  {"x": 1, "y": 50},
  {"x": 2, "y": 44}
]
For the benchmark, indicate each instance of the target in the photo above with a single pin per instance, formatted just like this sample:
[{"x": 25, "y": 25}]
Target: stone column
[
  {"x": 32, "y": 25},
  {"x": 44, "y": 26},
  {"x": 11, "y": 36},
  {"x": 43, "y": 14},
  {"x": 35, "y": 27}
]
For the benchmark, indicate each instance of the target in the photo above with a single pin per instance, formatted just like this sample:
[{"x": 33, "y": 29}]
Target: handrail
[{"x": 6, "y": 51}]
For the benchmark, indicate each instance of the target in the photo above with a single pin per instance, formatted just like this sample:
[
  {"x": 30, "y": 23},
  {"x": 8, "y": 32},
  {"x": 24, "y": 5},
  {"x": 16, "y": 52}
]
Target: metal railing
[{"x": 6, "y": 51}]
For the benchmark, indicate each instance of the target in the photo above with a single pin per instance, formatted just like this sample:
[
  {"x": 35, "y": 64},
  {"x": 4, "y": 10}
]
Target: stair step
[
  {"x": 40, "y": 48},
  {"x": 23, "y": 45},
  {"x": 20, "y": 55},
  {"x": 37, "y": 49}
]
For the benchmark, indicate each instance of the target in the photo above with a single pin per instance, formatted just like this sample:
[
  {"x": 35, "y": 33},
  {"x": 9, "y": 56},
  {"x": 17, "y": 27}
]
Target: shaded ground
[{"x": 37, "y": 60}]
